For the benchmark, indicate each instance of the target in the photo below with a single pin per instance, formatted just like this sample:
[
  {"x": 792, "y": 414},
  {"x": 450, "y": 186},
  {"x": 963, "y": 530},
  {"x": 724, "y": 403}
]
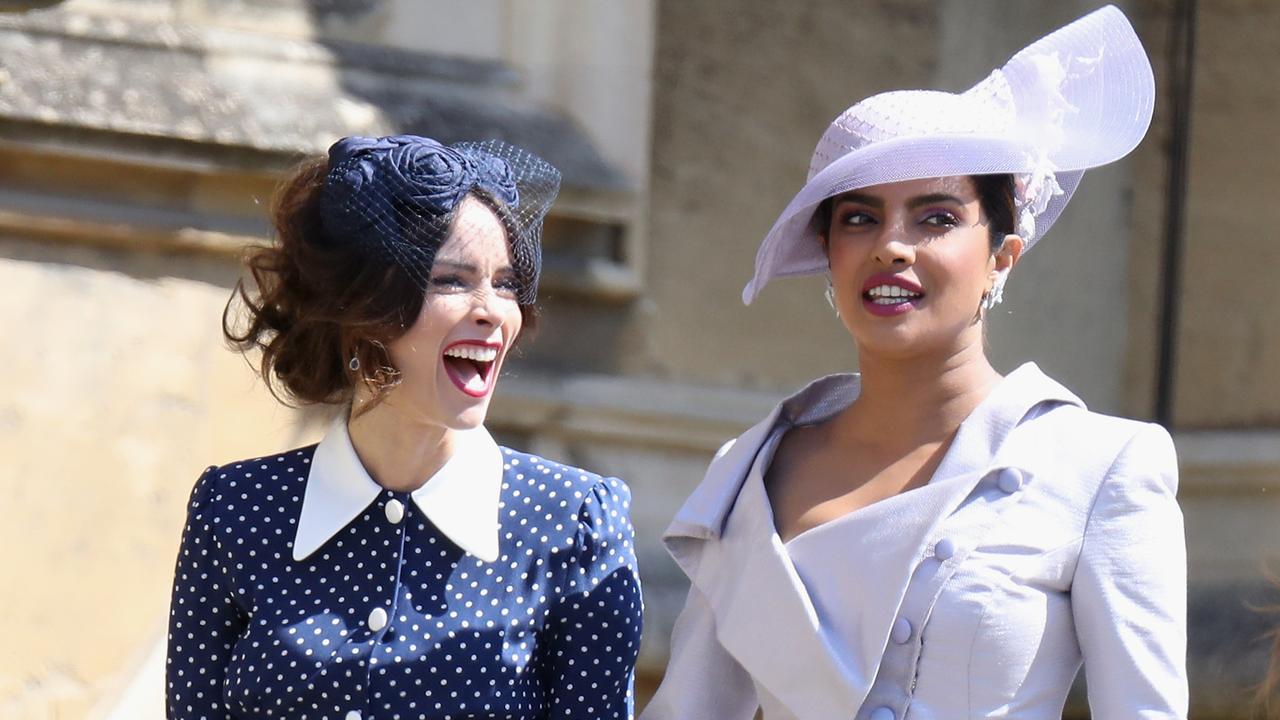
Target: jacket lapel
[
  {"x": 764, "y": 616},
  {"x": 736, "y": 559},
  {"x": 703, "y": 515}
]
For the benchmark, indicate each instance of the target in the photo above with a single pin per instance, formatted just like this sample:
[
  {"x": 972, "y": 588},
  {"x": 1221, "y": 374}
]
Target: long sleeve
[
  {"x": 594, "y": 630},
  {"x": 1129, "y": 593},
  {"x": 204, "y": 620},
  {"x": 702, "y": 682}
]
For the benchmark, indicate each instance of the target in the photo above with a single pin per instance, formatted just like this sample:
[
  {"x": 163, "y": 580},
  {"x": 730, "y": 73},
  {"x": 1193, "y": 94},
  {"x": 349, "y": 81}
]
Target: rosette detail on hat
[
  {"x": 494, "y": 174},
  {"x": 395, "y": 196},
  {"x": 1078, "y": 98}
]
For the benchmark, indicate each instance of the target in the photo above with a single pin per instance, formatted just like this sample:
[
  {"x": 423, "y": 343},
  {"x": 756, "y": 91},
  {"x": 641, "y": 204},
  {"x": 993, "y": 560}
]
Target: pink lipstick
[{"x": 887, "y": 295}]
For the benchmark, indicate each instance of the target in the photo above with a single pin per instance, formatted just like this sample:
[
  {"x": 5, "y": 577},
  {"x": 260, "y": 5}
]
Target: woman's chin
[
  {"x": 470, "y": 418},
  {"x": 886, "y": 336},
  {"x": 896, "y": 341},
  {"x": 915, "y": 342}
]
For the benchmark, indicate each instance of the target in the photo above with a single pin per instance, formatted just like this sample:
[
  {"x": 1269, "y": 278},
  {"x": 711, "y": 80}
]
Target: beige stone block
[
  {"x": 118, "y": 392},
  {"x": 1229, "y": 343},
  {"x": 1232, "y": 538}
]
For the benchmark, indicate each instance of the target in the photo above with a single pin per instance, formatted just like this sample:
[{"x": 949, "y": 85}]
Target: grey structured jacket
[{"x": 1048, "y": 538}]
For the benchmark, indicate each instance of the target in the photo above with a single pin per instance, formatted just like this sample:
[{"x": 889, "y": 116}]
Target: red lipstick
[{"x": 472, "y": 365}]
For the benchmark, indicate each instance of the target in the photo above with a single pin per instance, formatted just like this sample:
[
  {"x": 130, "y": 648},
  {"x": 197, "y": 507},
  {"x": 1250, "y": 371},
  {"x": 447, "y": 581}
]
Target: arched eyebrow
[
  {"x": 933, "y": 199},
  {"x": 915, "y": 202},
  {"x": 464, "y": 267},
  {"x": 860, "y": 199}
]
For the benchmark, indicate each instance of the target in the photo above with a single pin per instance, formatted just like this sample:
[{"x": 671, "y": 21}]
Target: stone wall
[
  {"x": 118, "y": 241},
  {"x": 117, "y": 394}
]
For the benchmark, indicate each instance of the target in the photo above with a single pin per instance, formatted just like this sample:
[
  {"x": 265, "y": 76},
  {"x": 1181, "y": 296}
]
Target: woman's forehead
[{"x": 476, "y": 232}]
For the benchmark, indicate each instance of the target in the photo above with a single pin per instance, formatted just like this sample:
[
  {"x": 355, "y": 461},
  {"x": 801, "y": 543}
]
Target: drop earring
[
  {"x": 830, "y": 294},
  {"x": 995, "y": 295},
  {"x": 355, "y": 363}
]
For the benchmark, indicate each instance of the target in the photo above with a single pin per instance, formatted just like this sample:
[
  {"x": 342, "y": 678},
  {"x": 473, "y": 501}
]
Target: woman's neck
[
  {"x": 910, "y": 401},
  {"x": 400, "y": 452}
]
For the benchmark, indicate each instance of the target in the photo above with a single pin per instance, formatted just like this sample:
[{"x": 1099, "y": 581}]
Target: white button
[
  {"x": 1010, "y": 481},
  {"x": 377, "y": 619},
  {"x": 944, "y": 549},
  {"x": 395, "y": 511},
  {"x": 901, "y": 632},
  {"x": 353, "y": 715},
  {"x": 882, "y": 713}
]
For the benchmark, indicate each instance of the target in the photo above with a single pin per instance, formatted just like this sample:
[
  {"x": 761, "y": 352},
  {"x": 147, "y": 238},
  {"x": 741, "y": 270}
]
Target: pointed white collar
[{"x": 461, "y": 499}]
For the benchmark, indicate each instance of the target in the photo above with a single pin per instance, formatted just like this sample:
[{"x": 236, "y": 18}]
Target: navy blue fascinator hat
[{"x": 396, "y": 197}]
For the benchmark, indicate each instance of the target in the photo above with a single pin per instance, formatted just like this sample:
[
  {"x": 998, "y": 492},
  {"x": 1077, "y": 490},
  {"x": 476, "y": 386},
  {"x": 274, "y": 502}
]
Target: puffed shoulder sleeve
[
  {"x": 703, "y": 681},
  {"x": 595, "y": 626},
  {"x": 1129, "y": 594},
  {"x": 204, "y": 618}
]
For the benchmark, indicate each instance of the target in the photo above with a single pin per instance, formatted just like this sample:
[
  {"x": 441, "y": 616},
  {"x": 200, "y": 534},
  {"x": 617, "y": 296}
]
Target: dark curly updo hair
[{"x": 313, "y": 303}]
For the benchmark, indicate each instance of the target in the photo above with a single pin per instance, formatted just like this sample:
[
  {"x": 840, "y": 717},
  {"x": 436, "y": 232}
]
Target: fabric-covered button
[
  {"x": 1010, "y": 481},
  {"x": 882, "y": 713},
  {"x": 377, "y": 619},
  {"x": 901, "y": 632},
  {"x": 944, "y": 549},
  {"x": 353, "y": 715},
  {"x": 395, "y": 511}
]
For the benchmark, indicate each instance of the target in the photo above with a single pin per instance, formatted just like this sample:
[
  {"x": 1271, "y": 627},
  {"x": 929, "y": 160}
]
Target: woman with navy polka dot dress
[{"x": 407, "y": 566}]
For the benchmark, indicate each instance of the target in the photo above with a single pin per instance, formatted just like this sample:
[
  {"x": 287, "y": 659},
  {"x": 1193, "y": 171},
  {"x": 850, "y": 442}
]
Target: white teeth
[
  {"x": 472, "y": 352},
  {"x": 890, "y": 291}
]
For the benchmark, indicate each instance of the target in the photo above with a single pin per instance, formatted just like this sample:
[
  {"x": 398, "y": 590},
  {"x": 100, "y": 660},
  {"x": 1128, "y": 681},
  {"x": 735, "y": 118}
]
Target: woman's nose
[
  {"x": 484, "y": 306},
  {"x": 894, "y": 247}
]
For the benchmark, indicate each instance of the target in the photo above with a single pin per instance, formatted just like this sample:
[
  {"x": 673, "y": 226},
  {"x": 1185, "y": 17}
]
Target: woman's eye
[
  {"x": 507, "y": 285},
  {"x": 857, "y": 219},
  {"x": 447, "y": 282},
  {"x": 942, "y": 219}
]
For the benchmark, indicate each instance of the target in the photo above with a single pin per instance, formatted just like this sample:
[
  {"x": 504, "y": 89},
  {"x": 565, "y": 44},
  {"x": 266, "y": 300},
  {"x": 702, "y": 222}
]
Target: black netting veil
[{"x": 398, "y": 196}]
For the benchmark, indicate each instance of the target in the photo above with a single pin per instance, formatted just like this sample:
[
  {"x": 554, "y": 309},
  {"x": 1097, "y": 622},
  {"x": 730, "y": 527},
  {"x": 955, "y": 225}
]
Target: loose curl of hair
[{"x": 317, "y": 302}]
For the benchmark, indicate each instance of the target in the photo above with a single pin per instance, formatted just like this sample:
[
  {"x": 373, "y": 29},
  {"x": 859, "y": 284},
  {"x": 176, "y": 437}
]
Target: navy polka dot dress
[{"x": 390, "y": 617}]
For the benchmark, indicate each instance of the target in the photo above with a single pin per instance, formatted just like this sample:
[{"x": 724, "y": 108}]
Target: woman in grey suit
[{"x": 929, "y": 539}]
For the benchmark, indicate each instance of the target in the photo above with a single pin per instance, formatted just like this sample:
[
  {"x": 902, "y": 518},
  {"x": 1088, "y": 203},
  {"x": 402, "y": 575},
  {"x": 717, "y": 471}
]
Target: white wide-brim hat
[{"x": 1076, "y": 99}]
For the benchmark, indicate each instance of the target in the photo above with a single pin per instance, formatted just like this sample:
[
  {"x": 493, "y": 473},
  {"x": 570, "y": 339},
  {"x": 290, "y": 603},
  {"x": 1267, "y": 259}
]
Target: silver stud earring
[{"x": 354, "y": 364}]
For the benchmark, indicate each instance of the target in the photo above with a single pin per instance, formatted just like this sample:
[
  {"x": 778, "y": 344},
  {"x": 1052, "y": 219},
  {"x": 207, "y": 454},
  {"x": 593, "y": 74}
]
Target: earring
[
  {"x": 830, "y": 294},
  {"x": 355, "y": 363},
  {"x": 994, "y": 296}
]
